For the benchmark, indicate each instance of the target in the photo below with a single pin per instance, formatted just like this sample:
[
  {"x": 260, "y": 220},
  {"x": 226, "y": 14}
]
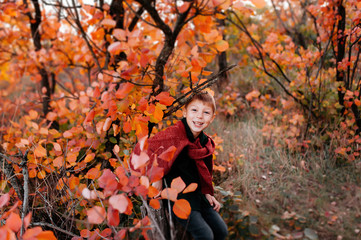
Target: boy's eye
[
  {"x": 193, "y": 110},
  {"x": 206, "y": 112}
]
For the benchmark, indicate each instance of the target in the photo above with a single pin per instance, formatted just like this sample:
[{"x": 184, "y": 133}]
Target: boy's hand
[
  {"x": 159, "y": 186},
  {"x": 213, "y": 201}
]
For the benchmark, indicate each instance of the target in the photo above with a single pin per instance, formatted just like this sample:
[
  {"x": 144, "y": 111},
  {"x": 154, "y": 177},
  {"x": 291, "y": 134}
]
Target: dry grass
[{"x": 291, "y": 190}]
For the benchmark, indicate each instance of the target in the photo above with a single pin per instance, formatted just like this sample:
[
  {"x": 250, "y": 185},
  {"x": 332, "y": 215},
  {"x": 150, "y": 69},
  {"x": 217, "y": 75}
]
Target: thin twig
[{"x": 54, "y": 227}]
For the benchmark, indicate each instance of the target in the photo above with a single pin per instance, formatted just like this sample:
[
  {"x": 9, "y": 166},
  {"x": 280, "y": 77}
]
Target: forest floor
[{"x": 285, "y": 195}]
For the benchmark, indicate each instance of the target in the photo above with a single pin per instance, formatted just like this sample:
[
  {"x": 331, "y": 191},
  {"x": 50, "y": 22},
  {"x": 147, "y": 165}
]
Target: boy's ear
[
  {"x": 214, "y": 115},
  {"x": 184, "y": 112}
]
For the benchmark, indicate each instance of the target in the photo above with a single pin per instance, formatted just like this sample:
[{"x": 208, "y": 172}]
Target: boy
[{"x": 192, "y": 161}]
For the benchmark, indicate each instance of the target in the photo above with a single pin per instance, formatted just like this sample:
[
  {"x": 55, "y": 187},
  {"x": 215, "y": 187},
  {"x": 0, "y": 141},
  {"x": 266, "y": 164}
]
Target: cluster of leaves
[
  {"x": 14, "y": 226},
  {"x": 80, "y": 84},
  {"x": 305, "y": 59}
]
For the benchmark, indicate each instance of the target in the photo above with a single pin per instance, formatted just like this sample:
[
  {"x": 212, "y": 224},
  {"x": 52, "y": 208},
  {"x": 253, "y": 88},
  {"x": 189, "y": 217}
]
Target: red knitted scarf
[{"x": 176, "y": 136}]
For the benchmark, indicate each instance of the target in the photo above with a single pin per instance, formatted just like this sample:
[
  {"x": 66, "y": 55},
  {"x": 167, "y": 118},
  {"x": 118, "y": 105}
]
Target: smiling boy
[{"x": 192, "y": 161}]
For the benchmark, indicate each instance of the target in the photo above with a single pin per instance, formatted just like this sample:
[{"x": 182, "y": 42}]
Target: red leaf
[
  {"x": 168, "y": 154},
  {"x": 164, "y": 98},
  {"x": 156, "y": 173},
  {"x": 123, "y": 179},
  {"x": 96, "y": 215},
  {"x": 4, "y": 199},
  {"x": 119, "y": 202},
  {"x": 113, "y": 217},
  {"x": 90, "y": 116},
  {"x": 178, "y": 184},
  {"x": 108, "y": 181},
  {"x": 182, "y": 208},
  {"x": 141, "y": 191}
]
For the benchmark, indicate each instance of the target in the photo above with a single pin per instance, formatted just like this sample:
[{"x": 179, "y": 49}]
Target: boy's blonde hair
[{"x": 205, "y": 97}]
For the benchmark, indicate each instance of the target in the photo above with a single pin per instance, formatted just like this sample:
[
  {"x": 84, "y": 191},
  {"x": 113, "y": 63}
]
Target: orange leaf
[
  {"x": 58, "y": 162},
  {"x": 222, "y": 45},
  {"x": 4, "y": 199},
  {"x": 127, "y": 127},
  {"x": 169, "y": 193},
  {"x": 165, "y": 99},
  {"x": 51, "y": 116},
  {"x": 31, "y": 233},
  {"x": 154, "y": 203},
  {"x": 40, "y": 151},
  {"x": 168, "y": 154},
  {"x": 182, "y": 208},
  {"x": 92, "y": 173},
  {"x": 178, "y": 184},
  {"x": 96, "y": 215},
  {"x": 191, "y": 188},
  {"x": 41, "y": 174},
  {"x": 89, "y": 157},
  {"x": 14, "y": 222},
  {"x": 116, "y": 47},
  {"x": 357, "y": 102},
  {"x": 46, "y": 235},
  {"x": 119, "y": 202},
  {"x": 139, "y": 160},
  {"x": 33, "y": 114},
  {"x": 152, "y": 192}
]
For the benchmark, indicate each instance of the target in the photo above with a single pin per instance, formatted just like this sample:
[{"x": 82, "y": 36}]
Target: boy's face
[{"x": 198, "y": 115}]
